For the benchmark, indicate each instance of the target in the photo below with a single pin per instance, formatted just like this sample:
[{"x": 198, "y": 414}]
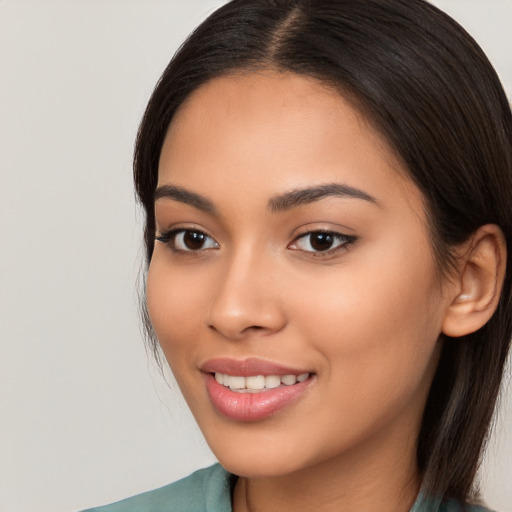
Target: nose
[{"x": 247, "y": 299}]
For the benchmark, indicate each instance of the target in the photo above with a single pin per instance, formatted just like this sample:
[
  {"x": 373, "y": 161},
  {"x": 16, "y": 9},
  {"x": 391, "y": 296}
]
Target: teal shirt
[{"x": 209, "y": 490}]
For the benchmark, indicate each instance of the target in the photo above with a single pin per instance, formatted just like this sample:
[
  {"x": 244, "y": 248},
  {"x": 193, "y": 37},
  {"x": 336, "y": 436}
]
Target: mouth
[{"x": 253, "y": 389}]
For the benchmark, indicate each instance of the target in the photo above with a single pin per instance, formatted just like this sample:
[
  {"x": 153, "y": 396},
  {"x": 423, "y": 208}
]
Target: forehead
[
  {"x": 273, "y": 131},
  {"x": 286, "y": 96},
  {"x": 243, "y": 93}
]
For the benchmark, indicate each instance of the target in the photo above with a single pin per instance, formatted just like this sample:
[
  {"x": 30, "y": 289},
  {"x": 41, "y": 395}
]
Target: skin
[{"x": 364, "y": 318}]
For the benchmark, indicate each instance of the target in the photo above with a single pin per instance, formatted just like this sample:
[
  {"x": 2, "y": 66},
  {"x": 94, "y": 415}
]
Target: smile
[{"x": 257, "y": 383}]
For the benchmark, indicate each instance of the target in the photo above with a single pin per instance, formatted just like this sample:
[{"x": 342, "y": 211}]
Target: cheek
[
  {"x": 174, "y": 306},
  {"x": 376, "y": 323}
]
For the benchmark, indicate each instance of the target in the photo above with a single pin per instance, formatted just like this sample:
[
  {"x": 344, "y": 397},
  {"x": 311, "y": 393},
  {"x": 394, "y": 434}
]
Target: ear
[{"x": 477, "y": 287}]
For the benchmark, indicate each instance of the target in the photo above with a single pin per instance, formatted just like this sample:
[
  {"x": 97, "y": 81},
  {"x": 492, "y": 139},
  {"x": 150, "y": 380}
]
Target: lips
[{"x": 253, "y": 389}]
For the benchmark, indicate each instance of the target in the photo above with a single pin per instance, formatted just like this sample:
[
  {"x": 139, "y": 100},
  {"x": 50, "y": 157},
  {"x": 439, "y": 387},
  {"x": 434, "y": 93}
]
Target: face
[{"x": 292, "y": 285}]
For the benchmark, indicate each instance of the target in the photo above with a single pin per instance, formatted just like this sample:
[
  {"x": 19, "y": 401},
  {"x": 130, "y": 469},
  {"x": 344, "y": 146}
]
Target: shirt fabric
[{"x": 210, "y": 489}]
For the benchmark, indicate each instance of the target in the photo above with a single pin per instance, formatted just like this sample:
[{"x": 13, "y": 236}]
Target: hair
[{"x": 429, "y": 89}]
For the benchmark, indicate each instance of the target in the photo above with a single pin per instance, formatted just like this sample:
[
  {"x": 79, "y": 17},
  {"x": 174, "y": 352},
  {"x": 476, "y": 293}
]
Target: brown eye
[
  {"x": 321, "y": 241},
  {"x": 187, "y": 240},
  {"x": 190, "y": 240},
  {"x": 193, "y": 240}
]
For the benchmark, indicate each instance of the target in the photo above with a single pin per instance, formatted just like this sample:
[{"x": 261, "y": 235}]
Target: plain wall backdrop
[{"x": 85, "y": 418}]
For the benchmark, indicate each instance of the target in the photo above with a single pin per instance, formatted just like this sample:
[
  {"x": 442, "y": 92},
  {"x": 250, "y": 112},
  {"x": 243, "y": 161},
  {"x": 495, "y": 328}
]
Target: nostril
[
  {"x": 236, "y": 320},
  {"x": 232, "y": 332}
]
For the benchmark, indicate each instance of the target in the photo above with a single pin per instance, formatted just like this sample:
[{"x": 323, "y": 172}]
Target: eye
[
  {"x": 187, "y": 240},
  {"x": 321, "y": 241}
]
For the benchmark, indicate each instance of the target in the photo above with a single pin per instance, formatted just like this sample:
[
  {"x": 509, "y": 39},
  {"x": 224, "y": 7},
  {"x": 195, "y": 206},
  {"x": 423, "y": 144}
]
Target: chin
[
  {"x": 262, "y": 467},
  {"x": 256, "y": 453}
]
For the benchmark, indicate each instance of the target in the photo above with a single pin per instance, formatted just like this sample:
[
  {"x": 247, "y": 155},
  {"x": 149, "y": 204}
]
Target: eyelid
[
  {"x": 168, "y": 238},
  {"x": 343, "y": 241},
  {"x": 340, "y": 241}
]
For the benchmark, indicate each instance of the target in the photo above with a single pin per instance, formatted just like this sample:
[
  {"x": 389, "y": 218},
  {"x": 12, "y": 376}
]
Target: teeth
[
  {"x": 272, "y": 381},
  {"x": 236, "y": 382},
  {"x": 256, "y": 383},
  {"x": 288, "y": 379}
]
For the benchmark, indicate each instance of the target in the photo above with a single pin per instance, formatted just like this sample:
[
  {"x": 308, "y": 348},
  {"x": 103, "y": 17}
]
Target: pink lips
[{"x": 251, "y": 406}]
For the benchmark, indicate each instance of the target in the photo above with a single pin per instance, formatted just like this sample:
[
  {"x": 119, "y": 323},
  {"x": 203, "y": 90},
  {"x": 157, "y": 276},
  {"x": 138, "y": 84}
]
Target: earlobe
[{"x": 479, "y": 281}]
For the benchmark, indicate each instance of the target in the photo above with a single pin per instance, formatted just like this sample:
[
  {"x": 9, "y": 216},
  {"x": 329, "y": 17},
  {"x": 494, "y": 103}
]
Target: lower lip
[{"x": 253, "y": 406}]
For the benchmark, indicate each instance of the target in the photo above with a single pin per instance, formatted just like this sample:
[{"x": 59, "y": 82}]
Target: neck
[{"x": 382, "y": 477}]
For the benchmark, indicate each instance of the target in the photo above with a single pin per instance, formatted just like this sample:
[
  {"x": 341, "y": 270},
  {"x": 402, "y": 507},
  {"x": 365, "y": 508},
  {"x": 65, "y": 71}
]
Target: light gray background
[{"x": 85, "y": 418}]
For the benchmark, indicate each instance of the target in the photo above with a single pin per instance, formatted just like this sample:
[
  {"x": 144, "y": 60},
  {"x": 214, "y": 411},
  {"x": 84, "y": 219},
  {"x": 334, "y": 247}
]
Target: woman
[{"x": 326, "y": 186}]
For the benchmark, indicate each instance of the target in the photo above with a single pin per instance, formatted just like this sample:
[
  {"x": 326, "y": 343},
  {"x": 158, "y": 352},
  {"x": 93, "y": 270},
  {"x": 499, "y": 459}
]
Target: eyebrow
[
  {"x": 279, "y": 203},
  {"x": 184, "y": 196},
  {"x": 298, "y": 197}
]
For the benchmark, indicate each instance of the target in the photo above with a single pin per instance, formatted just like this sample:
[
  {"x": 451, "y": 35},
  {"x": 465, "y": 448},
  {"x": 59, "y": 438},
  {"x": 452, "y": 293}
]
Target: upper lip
[{"x": 248, "y": 367}]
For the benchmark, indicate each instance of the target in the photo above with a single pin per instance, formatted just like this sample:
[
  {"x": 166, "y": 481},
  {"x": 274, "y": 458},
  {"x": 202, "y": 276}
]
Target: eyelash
[
  {"x": 342, "y": 240},
  {"x": 169, "y": 238}
]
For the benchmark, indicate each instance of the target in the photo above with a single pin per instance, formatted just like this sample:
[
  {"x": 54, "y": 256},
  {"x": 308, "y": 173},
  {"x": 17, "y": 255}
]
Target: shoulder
[
  {"x": 455, "y": 506},
  {"x": 207, "y": 490},
  {"x": 425, "y": 503}
]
